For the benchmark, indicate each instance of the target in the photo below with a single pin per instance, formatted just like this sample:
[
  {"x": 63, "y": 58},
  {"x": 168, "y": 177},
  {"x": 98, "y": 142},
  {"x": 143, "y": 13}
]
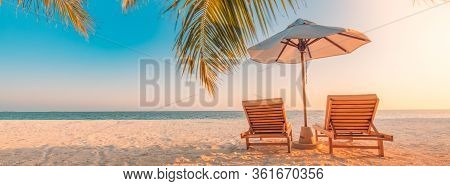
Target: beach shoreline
[{"x": 204, "y": 142}]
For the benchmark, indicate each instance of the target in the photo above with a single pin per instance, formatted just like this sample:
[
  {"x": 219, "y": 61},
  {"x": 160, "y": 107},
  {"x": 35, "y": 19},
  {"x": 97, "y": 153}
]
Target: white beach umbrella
[{"x": 303, "y": 41}]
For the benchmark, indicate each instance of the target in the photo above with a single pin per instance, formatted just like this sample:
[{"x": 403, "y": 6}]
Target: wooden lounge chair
[
  {"x": 350, "y": 117},
  {"x": 267, "y": 119}
]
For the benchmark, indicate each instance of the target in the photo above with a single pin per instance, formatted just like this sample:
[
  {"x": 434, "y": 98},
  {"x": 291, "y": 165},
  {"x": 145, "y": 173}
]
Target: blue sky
[
  {"x": 49, "y": 57},
  {"x": 46, "y": 66}
]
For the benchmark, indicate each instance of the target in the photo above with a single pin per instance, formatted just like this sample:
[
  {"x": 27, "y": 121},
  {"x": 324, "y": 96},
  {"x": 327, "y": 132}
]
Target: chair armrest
[
  {"x": 318, "y": 128},
  {"x": 244, "y": 134},
  {"x": 322, "y": 130},
  {"x": 288, "y": 127},
  {"x": 387, "y": 137}
]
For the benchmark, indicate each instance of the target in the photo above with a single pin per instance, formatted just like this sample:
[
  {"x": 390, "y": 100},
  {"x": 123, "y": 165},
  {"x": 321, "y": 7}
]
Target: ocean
[{"x": 181, "y": 115}]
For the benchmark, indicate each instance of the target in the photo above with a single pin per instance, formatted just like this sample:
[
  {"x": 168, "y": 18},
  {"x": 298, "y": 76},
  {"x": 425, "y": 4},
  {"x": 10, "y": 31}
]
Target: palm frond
[
  {"x": 214, "y": 34},
  {"x": 67, "y": 10},
  {"x": 132, "y": 4},
  {"x": 127, "y": 4}
]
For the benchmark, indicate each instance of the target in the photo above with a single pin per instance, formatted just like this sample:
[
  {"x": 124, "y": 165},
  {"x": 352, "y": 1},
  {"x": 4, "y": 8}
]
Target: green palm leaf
[
  {"x": 214, "y": 34},
  {"x": 127, "y": 4},
  {"x": 68, "y": 10}
]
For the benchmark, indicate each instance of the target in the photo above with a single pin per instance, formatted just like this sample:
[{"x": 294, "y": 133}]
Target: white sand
[{"x": 203, "y": 142}]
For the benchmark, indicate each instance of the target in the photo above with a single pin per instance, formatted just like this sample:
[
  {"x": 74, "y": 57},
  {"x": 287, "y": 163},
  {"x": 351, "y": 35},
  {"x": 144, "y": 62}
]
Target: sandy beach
[{"x": 203, "y": 142}]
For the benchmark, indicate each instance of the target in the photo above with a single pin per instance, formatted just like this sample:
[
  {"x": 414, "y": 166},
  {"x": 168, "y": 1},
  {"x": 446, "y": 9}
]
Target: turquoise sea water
[{"x": 174, "y": 115}]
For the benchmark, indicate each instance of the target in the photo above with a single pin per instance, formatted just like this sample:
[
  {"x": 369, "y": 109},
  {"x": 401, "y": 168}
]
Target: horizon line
[{"x": 213, "y": 110}]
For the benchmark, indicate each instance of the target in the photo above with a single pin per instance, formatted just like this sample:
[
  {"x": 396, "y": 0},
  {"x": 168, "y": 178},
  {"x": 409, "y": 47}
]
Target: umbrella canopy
[
  {"x": 306, "y": 40},
  {"x": 319, "y": 42}
]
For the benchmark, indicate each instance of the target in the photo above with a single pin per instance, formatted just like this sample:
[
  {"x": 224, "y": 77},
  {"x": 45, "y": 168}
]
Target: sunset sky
[{"x": 45, "y": 66}]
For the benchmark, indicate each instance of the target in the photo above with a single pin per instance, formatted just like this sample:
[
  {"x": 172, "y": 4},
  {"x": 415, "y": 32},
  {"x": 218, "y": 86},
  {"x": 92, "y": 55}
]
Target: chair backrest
[
  {"x": 350, "y": 113},
  {"x": 266, "y": 115}
]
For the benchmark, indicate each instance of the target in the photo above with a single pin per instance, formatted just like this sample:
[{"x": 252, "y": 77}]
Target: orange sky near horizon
[{"x": 407, "y": 64}]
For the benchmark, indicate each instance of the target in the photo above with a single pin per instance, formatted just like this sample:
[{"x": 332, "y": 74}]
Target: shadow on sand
[{"x": 200, "y": 154}]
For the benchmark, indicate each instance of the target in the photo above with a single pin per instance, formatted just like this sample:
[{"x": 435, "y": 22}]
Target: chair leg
[
  {"x": 289, "y": 143},
  {"x": 330, "y": 144},
  {"x": 380, "y": 148},
  {"x": 317, "y": 135},
  {"x": 247, "y": 143}
]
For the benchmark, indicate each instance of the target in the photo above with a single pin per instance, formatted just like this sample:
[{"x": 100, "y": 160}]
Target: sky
[{"x": 47, "y": 66}]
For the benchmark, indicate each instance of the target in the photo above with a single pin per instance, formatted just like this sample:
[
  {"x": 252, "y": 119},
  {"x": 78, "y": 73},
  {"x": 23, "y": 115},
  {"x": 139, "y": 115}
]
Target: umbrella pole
[
  {"x": 305, "y": 115},
  {"x": 306, "y": 134}
]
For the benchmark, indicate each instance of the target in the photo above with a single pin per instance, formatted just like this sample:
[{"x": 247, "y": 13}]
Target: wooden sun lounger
[
  {"x": 267, "y": 119},
  {"x": 350, "y": 117}
]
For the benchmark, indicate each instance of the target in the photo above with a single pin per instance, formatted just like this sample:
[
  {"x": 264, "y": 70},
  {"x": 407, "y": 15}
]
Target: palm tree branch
[
  {"x": 214, "y": 35},
  {"x": 69, "y": 11}
]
